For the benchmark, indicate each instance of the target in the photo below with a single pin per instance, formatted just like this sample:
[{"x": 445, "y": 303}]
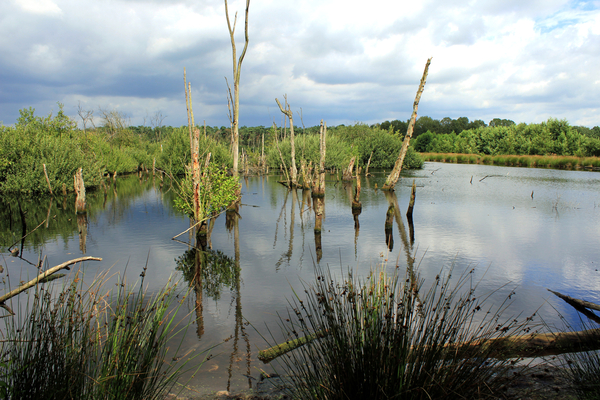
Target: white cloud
[
  {"x": 47, "y": 7},
  {"x": 510, "y": 59}
]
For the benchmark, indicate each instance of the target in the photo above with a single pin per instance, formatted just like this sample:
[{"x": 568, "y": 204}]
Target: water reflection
[{"x": 468, "y": 222}]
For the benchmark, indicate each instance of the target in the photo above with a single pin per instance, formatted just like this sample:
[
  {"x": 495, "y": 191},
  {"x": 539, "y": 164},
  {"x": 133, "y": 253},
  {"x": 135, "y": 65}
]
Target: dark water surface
[{"x": 531, "y": 228}]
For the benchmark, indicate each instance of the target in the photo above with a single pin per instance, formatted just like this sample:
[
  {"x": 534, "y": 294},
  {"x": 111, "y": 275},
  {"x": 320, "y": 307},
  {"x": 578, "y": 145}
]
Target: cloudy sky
[{"x": 337, "y": 60}]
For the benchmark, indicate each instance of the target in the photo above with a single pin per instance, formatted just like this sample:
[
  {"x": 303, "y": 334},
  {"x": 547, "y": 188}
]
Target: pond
[{"x": 526, "y": 230}]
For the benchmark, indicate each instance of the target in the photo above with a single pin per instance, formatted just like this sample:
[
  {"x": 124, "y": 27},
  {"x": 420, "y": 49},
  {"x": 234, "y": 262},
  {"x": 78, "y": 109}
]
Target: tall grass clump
[
  {"x": 82, "y": 344},
  {"x": 582, "y": 369},
  {"x": 386, "y": 337}
]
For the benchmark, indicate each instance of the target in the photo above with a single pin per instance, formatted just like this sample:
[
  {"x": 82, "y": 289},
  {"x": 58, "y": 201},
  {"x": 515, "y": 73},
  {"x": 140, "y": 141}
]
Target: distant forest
[{"x": 41, "y": 153}]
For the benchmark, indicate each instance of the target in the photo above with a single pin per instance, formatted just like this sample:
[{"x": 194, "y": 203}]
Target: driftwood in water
[
  {"x": 44, "y": 276},
  {"x": 393, "y": 177},
  {"x": 580, "y": 305},
  {"x": 80, "y": 191}
]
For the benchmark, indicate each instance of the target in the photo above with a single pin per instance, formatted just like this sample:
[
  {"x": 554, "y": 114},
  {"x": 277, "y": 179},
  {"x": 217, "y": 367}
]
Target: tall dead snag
[
  {"x": 188, "y": 102},
  {"x": 237, "y": 67},
  {"x": 319, "y": 182},
  {"x": 80, "y": 191},
  {"x": 288, "y": 113},
  {"x": 393, "y": 177}
]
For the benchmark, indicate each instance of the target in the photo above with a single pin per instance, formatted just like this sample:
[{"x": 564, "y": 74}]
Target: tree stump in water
[{"x": 80, "y": 191}]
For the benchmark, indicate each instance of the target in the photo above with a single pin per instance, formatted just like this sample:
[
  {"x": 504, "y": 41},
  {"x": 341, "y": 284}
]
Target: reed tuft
[
  {"x": 386, "y": 337},
  {"x": 79, "y": 343}
]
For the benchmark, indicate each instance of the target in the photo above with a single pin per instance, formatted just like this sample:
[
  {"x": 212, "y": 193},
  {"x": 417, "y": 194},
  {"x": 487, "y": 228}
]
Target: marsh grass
[
  {"x": 386, "y": 337},
  {"x": 582, "y": 369},
  {"x": 535, "y": 161},
  {"x": 91, "y": 343}
]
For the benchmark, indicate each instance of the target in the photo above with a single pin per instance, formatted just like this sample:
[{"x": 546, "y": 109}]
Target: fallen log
[{"x": 528, "y": 346}]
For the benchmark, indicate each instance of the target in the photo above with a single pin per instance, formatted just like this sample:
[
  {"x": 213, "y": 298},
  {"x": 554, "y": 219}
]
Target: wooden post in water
[
  {"x": 80, "y": 191},
  {"x": 393, "y": 177}
]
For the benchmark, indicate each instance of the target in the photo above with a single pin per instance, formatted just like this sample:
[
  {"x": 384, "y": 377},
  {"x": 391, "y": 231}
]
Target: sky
[{"x": 337, "y": 60}]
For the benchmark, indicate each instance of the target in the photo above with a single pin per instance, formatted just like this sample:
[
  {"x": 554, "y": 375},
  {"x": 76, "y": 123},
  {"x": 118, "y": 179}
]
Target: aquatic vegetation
[
  {"x": 386, "y": 337},
  {"x": 92, "y": 343}
]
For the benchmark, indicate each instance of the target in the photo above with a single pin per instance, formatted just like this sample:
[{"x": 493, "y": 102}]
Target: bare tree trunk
[
  {"x": 237, "y": 66},
  {"x": 347, "y": 174},
  {"x": 288, "y": 113},
  {"x": 393, "y": 177},
  {"x": 319, "y": 186},
  {"x": 80, "y": 190},
  {"x": 187, "y": 103},
  {"x": 368, "y": 164}
]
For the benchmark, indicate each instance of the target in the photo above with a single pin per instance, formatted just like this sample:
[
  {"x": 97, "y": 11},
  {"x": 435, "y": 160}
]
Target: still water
[{"x": 528, "y": 229}]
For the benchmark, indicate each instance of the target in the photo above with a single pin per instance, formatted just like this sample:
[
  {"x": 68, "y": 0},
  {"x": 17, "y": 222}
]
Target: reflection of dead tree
[
  {"x": 288, "y": 254},
  {"x": 409, "y": 212},
  {"x": 319, "y": 207},
  {"x": 279, "y": 218},
  {"x": 82, "y": 228},
  {"x": 199, "y": 263},
  {"x": 393, "y": 177},
  {"x": 239, "y": 324}
]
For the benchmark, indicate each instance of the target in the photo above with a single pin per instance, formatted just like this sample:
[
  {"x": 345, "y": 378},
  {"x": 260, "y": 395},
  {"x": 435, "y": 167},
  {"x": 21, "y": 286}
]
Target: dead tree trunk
[
  {"x": 347, "y": 174},
  {"x": 288, "y": 113},
  {"x": 356, "y": 204},
  {"x": 319, "y": 183},
  {"x": 237, "y": 66},
  {"x": 80, "y": 191},
  {"x": 393, "y": 177}
]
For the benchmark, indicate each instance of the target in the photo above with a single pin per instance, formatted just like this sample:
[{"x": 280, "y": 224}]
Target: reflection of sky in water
[{"x": 492, "y": 224}]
